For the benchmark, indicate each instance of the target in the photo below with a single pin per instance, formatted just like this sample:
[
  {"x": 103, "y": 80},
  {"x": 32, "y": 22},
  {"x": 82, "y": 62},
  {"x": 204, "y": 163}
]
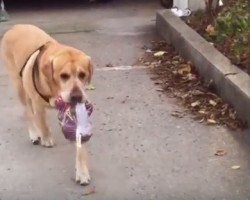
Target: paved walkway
[{"x": 139, "y": 151}]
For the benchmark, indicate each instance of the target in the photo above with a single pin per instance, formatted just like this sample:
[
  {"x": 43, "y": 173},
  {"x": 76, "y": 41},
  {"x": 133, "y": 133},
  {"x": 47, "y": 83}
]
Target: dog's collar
[{"x": 35, "y": 71}]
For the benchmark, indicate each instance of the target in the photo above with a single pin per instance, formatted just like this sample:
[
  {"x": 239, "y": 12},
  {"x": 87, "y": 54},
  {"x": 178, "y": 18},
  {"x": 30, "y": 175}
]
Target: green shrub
[
  {"x": 233, "y": 21},
  {"x": 231, "y": 28}
]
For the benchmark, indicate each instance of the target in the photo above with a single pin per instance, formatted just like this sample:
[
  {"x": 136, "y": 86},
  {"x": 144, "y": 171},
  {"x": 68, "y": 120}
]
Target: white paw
[
  {"x": 47, "y": 141},
  {"x": 82, "y": 175},
  {"x": 34, "y": 136}
]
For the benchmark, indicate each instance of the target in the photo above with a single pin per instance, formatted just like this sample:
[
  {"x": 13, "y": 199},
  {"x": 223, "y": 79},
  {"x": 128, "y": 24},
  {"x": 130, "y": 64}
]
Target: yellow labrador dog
[{"x": 42, "y": 69}]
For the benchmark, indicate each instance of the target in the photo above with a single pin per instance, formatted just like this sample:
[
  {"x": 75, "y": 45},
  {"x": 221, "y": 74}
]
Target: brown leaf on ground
[
  {"x": 202, "y": 112},
  {"x": 89, "y": 190},
  {"x": 195, "y": 104},
  {"x": 184, "y": 69},
  {"x": 90, "y": 87},
  {"x": 179, "y": 79},
  {"x": 109, "y": 65},
  {"x": 212, "y": 102},
  {"x": 210, "y": 30},
  {"x": 159, "y": 89},
  {"x": 220, "y": 152},
  {"x": 211, "y": 121},
  {"x": 177, "y": 114},
  {"x": 159, "y": 53},
  {"x": 235, "y": 167}
]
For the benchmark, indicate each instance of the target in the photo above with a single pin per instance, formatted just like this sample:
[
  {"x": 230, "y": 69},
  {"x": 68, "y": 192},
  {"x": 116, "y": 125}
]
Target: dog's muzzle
[{"x": 76, "y": 96}]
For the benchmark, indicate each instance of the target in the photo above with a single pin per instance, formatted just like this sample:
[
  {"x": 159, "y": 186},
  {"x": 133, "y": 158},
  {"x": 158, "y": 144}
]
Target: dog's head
[{"x": 67, "y": 72}]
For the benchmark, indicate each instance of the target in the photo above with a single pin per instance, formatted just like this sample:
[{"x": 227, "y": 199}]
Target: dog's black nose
[
  {"x": 76, "y": 96},
  {"x": 76, "y": 99}
]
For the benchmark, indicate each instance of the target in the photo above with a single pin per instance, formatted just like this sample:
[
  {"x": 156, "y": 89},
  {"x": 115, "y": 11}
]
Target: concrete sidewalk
[{"x": 138, "y": 151}]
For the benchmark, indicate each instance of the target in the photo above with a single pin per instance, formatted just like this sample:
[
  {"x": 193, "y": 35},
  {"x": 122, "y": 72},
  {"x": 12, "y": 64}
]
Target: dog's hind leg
[
  {"x": 15, "y": 78},
  {"x": 17, "y": 82}
]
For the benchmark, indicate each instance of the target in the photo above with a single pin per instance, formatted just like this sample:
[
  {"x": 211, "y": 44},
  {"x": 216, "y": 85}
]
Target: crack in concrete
[
  {"x": 69, "y": 31},
  {"x": 121, "y": 68},
  {"x": 230, "y": 73}
]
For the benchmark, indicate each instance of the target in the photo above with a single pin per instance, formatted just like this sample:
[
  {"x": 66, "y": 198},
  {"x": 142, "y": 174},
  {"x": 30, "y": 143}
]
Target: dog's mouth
[
  {"x": 74, "y": 101},
  {"x": 74, "y": 96}
]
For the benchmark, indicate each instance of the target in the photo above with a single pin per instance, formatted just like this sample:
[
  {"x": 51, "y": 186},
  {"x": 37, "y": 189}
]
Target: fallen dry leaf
[
  {"x": 157, "y": 83},
  {"x": 191, "y": 77},
  {"x": 184, "y": 69},
  {"x": 90, "y": 87},
  {"x": 202, "y": 111},
  {"x": 109, "y": 65},
  {"x": 232, "y": 114},
  {"x": 212, "y": 116},
  {"x": 159, "y": 90},
  {"x": 210, "y": 30},
  {"x": 159, "y": 53},
  {"x": 220, "y": 152},
  {"x": 196, "y": 92},
  {"x": 211, "y": 121},
  {"x": 236, "y": 167},
  {"x": 202, "y": 120},
  {"x": 89, "y": 190},
  {"x": 195, "y": 104},
  {"x": 212, "y": 102},
  {"x": 177, "y": 114},
  {"x": 179, "y": 79}
]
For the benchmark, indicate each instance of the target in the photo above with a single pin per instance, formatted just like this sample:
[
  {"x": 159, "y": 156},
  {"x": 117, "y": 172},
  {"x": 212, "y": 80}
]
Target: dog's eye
[
  {"x": 64, "y": 76},
  {"x": 81, "y": 75}
]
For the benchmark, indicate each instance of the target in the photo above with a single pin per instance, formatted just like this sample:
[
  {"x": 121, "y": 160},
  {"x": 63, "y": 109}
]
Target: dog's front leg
[
  {"x": 82, "y": 172},
  {"x": 29, "y": 115},
  {"x": 41, "y": 124}
]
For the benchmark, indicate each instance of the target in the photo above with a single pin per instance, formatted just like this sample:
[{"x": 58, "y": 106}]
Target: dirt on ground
[{"x": 178, "y": 78}]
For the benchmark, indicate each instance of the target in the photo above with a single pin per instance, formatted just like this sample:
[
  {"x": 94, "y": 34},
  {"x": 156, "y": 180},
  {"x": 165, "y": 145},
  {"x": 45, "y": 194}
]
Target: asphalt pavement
[{"x": 139, "y": 150}]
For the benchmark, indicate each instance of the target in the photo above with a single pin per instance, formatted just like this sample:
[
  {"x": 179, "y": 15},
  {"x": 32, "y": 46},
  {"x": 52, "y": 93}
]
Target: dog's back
[{"x": 19, "y": 43}]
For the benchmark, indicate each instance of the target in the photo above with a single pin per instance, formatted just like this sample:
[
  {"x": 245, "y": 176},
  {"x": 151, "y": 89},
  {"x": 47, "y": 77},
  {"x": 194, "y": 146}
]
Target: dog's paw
[
  {"x": 47, "y": 141},
  {"x": 34, "y": 137},
  {"x": 82, "y": 176}
]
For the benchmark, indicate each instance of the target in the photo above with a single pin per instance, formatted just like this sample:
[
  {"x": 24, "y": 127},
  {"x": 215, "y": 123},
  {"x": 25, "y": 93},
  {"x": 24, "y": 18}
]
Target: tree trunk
[
  {"x": 212, "y": 8},
  {"x": 248, "y": 53}
]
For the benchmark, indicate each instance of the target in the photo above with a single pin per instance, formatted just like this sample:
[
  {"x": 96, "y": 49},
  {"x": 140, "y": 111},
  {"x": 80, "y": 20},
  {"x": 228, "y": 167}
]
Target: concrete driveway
[{"x": 138, "y": 151}]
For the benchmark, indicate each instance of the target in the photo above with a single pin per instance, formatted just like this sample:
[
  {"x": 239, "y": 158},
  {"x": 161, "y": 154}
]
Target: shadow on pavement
[{"x": 13, "y": 5}]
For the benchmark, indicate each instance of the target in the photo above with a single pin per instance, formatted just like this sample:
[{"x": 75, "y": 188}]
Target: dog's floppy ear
[
  {"x": 46, "y": 64},
  {"x": 48, "y": 71},
  {"x": 91, "y": 70},
  {"x": 47, "y": 68}
]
